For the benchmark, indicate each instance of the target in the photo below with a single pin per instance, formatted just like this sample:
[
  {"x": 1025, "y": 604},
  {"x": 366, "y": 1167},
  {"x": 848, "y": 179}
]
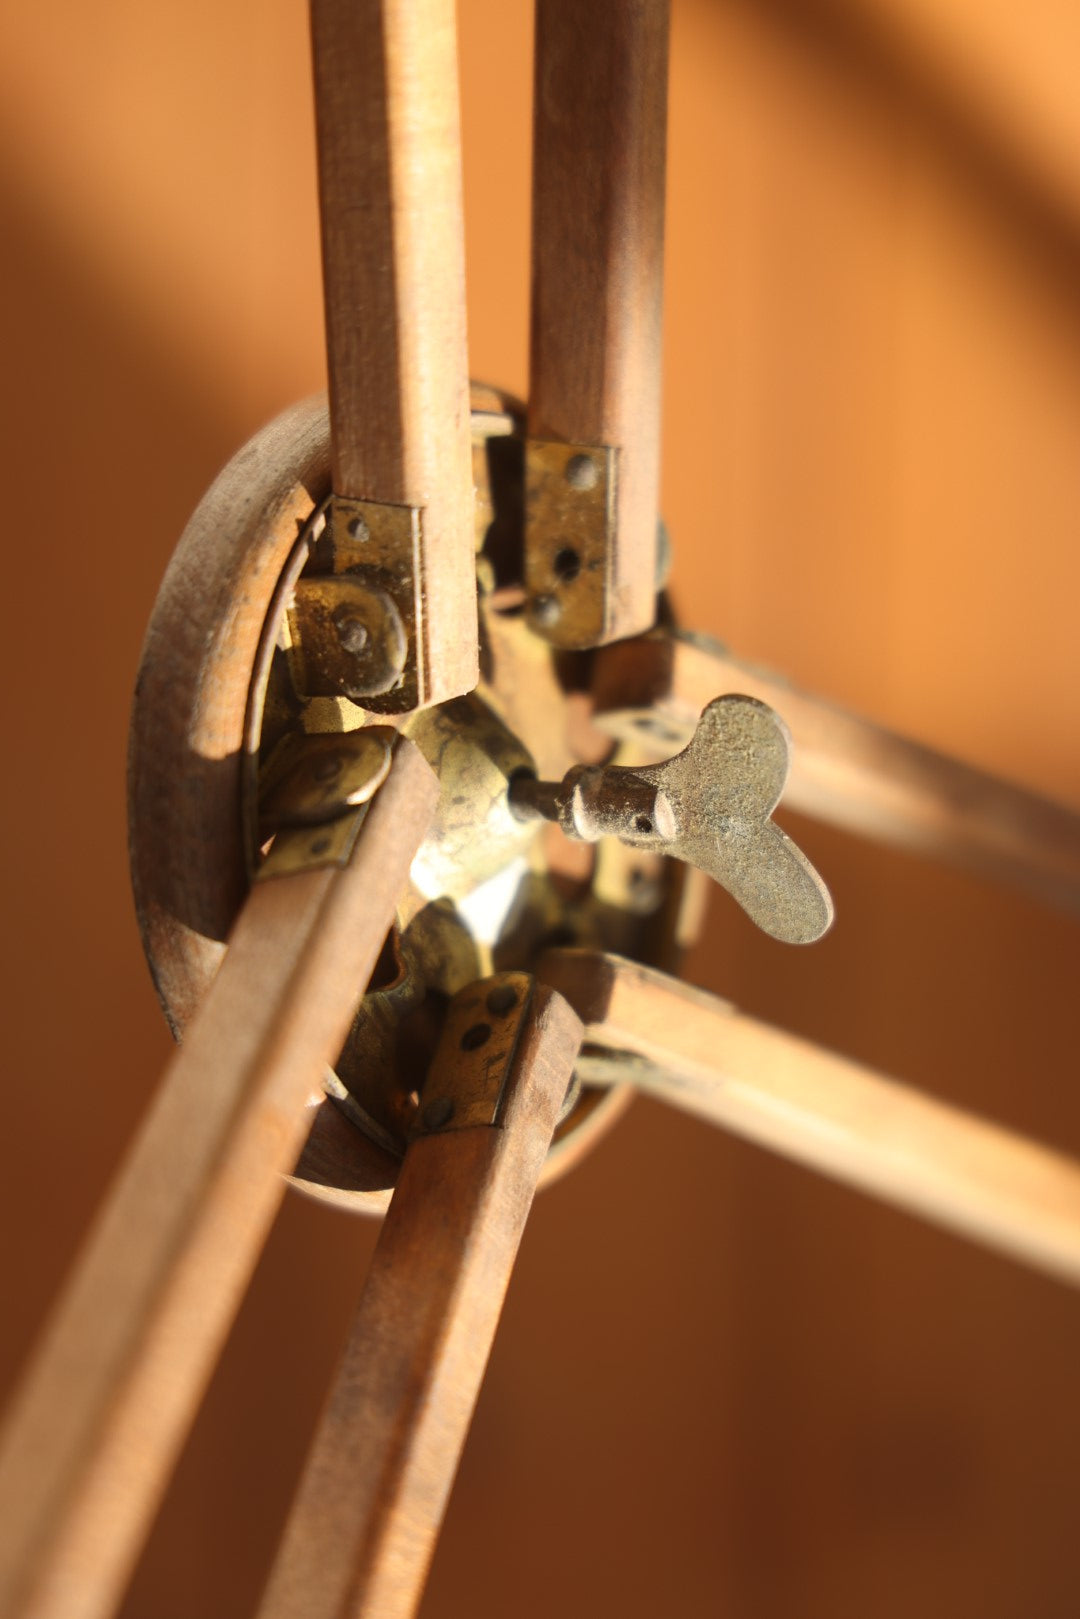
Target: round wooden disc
[{"x": 188, "y": 762}]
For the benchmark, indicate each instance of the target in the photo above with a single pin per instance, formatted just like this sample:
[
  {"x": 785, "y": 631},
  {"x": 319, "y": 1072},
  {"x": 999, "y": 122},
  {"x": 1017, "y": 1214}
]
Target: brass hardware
[
  {"x": 322, "y": 777},
  {"x": 570, "y": 506},
  {"x": 347, "y": 637},
  {"x": 710, "y": 805},
  {"x": 361, "y": 633},
  {"x": 474, "y": 834},
  {"x": 317, "y": 796},
  {"x": 474, "y": 1055}
]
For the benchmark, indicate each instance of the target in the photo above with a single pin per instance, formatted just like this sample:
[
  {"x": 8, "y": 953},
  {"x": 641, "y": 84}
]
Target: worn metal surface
[
  {"x": 711, "y": 806},
  {"x": 475, "y": 1054},
  {"x": 474, "y": 835},
  {"x": 571, "y": 495},
  {"x": 315, "y": 804},
  {"x": 347, "y": 637},
  {"x": 379, "y": 547},
  {"x": 322, "y": 777}
]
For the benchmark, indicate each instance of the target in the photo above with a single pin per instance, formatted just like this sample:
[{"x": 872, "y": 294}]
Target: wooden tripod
[{"x": 78, "y": 1510}]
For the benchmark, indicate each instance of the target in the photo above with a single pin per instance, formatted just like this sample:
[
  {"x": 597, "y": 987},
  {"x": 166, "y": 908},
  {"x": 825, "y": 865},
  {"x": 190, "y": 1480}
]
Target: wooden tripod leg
[
  {"x": 131, "y": 1345},
  {"x": 363, "y": 1527},
  {"x": 701, "y": 1054},
  {"x": 389, "y": 145},
  {"x": 851, "y": 773},
  {"x": 592, "y": 467}
]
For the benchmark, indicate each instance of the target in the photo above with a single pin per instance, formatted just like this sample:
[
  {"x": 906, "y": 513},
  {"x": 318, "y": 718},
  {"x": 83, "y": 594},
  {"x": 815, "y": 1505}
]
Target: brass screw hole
[{"x": 567, "y": 564}]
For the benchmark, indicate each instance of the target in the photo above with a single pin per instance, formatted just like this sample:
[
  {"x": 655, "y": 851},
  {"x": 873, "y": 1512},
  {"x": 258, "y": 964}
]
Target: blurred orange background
[{"x": 721, "y": 1385}]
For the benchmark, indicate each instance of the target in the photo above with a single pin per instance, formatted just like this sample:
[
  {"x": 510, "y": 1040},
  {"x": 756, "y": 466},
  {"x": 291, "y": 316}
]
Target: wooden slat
[
  {"x": 389, "y": 147},
  {"x": 851, "y": 773},
  {"x": 597, "y": 262},
  {"x": 702, "y": 1055},
  {"x": 374, "y": 1490},
  {"x": 110, "y": 1395}
]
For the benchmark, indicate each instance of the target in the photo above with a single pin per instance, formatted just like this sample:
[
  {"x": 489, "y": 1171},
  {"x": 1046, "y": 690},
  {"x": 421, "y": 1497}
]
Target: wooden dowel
[
  {"x": 702, "y": 1055},
  {"x": 94, "y": 1432},
  {"x": 853, "y": 774},
  {"x": 362, "y": 1530},
  {"x": 600, "y": 128},
  {"x": 390, "y": 200}
]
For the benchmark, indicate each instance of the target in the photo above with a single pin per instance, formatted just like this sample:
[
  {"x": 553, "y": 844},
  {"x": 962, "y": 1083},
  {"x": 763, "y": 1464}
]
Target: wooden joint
[
  {"x": 475, "y": 1055},
  {"x": 571, "y": 514}
]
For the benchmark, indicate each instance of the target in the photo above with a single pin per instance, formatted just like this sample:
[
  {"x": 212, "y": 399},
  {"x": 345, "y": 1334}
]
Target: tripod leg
[
  {"x": 362, "y": 1529},
  {"x": 96, "y": 1429},
  {"x": 701, "y": 1054},
  {"x": 592, "y": 467},
  {"x": 389, "y": 146},
  {"x": 849, "y": 772}
]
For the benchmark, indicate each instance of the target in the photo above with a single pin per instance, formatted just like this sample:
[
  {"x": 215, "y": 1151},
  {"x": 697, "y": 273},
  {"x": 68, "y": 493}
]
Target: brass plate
[{"x": 571, "y": 492}]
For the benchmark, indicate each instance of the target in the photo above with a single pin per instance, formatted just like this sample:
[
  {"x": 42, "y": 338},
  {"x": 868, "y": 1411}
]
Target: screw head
[
  {"x": 581, "y": 472},
  {"x": 353, "y": 635}
]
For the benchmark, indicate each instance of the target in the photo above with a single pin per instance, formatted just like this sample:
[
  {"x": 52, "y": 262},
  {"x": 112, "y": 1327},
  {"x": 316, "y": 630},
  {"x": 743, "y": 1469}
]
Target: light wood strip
[
  {"x": 109, "y": 1397},
  {"x": 703, "y": 1055},
  {"x": 389, "y": 145},
  {"x": 362, "y": 1530},
  {"x": 851, "y": 773},
  {"x": 600, "y": 136}
]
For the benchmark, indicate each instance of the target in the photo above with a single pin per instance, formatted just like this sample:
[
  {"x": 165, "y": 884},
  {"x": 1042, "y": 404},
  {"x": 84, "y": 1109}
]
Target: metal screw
[
  {"x": 358, "y": 528},
  {"x": 581, "y": 472},
  {"x": 353, "y": 635}
]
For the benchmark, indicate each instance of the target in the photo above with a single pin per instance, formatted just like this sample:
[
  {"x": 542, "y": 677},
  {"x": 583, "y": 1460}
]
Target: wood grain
[
  {"x": 597, "y": 262},
  {"x": 389, "y": 147},
  {"x": 362, "y": 1530},
  {"x": 110, "y": 1395},
  {"x": 703, "y": 1055},
  {"x": 186, "y": 752},
  {"x": 851, "y": 773}
]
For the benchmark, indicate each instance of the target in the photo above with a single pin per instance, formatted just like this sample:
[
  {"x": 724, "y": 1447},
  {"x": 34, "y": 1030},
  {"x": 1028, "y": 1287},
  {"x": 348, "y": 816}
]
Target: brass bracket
[
  {"x": 357, "y": 628},
  {"x": 475, "y": 1053},
  {"x": 571, "y": 493},
  {"x": 316, "y": 797}
]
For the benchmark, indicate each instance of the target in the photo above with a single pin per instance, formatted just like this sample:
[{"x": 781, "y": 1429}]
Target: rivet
[
  {"x": 353, "y": 635},
  {"x": 581, "y": 472},
  {"x": 502, "y": 999}
]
